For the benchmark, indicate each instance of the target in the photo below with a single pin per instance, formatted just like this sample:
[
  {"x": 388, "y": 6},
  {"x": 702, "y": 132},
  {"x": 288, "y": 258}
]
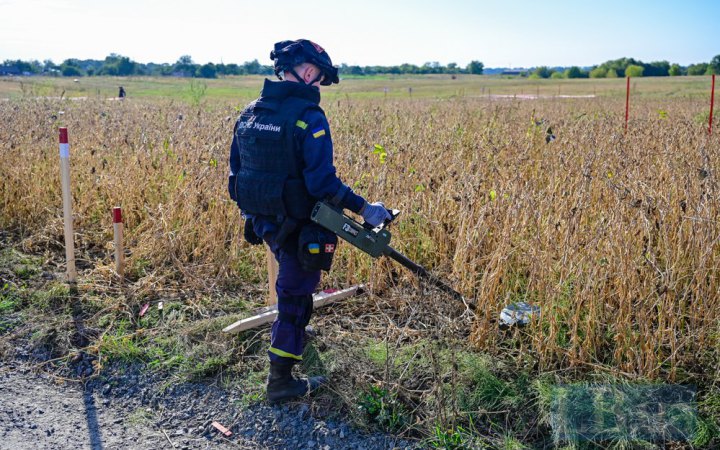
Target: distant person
[
  {"x": 281, "y": 164},
  {"x": 121, "y": 92}
]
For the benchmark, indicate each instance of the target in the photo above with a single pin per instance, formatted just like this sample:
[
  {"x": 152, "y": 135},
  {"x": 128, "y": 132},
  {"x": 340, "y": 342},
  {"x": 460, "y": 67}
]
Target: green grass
[
  {"x": 480, "y": 390},
  {"x": 377, "y": 353},
  {"x": 52, "y": 296},
  {"x": 471, "y": 387},
  {"x": 10, "y": 302},
  {"x": 16, "y": 294},
  {"x": 253, "y": 387},
  {"x": 9, "y": 299},
  {"x": 384, "y": 409},
  {"x": 140, "y": 416},
  {"x": 241, "y": 89}
]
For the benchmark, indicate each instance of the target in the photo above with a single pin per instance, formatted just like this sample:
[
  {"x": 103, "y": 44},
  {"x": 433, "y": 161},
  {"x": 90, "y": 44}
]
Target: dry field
[{"x": 614, "y": 235}]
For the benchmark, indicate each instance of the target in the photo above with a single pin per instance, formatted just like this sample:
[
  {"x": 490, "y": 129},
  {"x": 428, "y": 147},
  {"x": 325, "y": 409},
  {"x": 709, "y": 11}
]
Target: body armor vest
[{"x": 269, "y": 181}]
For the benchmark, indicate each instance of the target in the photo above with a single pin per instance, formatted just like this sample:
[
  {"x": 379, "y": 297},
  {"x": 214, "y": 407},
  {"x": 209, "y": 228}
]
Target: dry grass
[{"x": 615, "y": 236}]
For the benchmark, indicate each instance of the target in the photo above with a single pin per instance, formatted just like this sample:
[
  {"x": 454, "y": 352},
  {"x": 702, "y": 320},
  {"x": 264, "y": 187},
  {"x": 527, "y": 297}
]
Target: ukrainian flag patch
[
  {"x": 318, "y": 132},
  {"x": 314, "y": 249}
]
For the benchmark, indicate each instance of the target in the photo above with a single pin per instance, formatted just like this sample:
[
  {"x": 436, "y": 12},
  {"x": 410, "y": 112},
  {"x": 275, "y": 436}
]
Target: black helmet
[{"x": 288, "y": 54}]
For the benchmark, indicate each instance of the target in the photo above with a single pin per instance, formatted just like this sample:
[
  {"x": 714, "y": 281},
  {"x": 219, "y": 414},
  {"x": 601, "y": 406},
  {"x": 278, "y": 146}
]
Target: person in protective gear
[{"x": 281, "y": 164}]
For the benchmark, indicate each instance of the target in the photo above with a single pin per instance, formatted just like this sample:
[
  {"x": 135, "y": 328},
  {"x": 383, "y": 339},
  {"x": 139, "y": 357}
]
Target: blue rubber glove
[{"x": 375, "y": 213}]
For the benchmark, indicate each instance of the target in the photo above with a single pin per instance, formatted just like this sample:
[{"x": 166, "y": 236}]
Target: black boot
[
  {"x": 283, "y": 386},
  {"x": 310, "y": 335}
]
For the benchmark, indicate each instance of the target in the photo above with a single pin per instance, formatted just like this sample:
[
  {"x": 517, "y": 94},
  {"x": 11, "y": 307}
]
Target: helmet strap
[
  {"x": 302, "y": 80},
  {"x": 317, "y": 78},
  {"x": 297, "y": 77}
]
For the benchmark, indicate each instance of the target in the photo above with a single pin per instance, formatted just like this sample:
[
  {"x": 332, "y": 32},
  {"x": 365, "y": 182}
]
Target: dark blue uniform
[{"x": 281, "y": 163}]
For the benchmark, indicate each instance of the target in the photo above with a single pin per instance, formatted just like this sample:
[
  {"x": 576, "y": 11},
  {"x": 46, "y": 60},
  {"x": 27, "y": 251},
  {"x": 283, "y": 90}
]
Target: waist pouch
[
  {"x": 249, "y": 233},
  {"x": 316, "y": 248}
]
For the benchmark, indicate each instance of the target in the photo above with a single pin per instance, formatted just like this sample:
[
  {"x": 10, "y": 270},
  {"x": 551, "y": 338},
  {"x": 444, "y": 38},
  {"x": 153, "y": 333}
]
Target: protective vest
[{"x": 269, "y": 181}]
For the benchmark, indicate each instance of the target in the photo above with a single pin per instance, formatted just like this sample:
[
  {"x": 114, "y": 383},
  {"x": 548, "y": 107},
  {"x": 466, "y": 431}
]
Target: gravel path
[
  {"x": 36, "y": 413},
  {"x": 40, "y": 411}
]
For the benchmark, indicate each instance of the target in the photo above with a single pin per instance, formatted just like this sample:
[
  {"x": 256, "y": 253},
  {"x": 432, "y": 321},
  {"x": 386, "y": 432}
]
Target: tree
[
  {"x": 50, "y": 67},
  {"x": 697, "y": 69},
  {"x": 406, "y": 68},
  {"x": 115, "y": 64},
  {"x": 71, "y": 71},
  {"x": 252, "y": 67},
  {"x": 675, "y": 70},
  {"x": 475, "y": 68},
  {"x": 598, "y": 72},
  {"x": 611, "y": 73},
  {"x": 634, "y": 71},
  {"x": 71, "y": 68},
  {"x": 715, "y": 64},
  {"x": 24, "y": 67},
  {"x": 232, "y": 69},
  {"x": 656, "y": 69},
  {"x": 431, "y": 67},
  {"x": 542, "y": 72},
  {"x": 354, "y": 70},
  {"x": 575, "y": 72},
  {"x": 557, "y": 75},
  {"x": 185, "y": 66},
  {"x": 207, "y": 71},
  {"x": 125, "y": 66}
]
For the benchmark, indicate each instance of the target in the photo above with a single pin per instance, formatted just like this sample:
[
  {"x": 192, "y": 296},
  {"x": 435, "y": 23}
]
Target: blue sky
[{"x": 499, "y": 33}]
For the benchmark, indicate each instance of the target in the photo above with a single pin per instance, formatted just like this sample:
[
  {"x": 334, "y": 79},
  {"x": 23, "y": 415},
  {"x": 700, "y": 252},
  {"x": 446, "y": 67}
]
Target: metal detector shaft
[
  {"x": 423, "y": 273},
  {"x": 373, "y": 241}
]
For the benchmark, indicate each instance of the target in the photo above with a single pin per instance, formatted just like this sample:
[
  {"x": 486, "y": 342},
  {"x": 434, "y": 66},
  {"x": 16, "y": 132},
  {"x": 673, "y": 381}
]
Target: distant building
[{"x": 519, "y": 72}]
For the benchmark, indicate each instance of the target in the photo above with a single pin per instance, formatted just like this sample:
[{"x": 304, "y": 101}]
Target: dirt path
[
  {"x": 41, "y": 411},
  {"x": 37, "y": 412}
]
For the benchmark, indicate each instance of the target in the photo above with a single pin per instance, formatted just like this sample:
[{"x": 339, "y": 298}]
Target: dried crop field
[{"x": 614, "y": 235}]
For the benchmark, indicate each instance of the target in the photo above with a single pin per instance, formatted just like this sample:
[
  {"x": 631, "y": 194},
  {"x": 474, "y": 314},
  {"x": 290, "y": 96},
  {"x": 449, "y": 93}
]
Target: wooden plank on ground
[{"x": 268, "y": 314}]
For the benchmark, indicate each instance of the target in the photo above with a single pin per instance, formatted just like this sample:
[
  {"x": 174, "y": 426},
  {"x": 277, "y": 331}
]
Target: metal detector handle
[{"x": 393, "y": 215}]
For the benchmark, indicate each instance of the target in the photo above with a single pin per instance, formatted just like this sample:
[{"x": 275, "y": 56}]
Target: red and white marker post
[
  {"x": 627, "y": 103},
  {"x": 712, "y": 104},
  {"x": 67, "y": 205},
  {"x": 119, "y": 251}
]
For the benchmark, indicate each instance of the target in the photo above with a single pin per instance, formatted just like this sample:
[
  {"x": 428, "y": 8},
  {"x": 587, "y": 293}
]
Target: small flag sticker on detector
[{"x": 314, "y": 249}]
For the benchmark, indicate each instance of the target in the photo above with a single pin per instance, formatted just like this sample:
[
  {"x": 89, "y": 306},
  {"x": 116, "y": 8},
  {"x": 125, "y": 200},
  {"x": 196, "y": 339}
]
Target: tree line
[
  {"x": 628, "y": 67},
  {"x": 118, "y": 65}
]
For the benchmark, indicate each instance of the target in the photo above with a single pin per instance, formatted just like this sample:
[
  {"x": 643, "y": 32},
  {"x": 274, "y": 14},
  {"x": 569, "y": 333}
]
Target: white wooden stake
[
  {"x": 67, "y": 205},
  {"x": 269, "y": 313},
  {"x": 119, "y": 250},
  {"x": 272, "y": 268}
]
